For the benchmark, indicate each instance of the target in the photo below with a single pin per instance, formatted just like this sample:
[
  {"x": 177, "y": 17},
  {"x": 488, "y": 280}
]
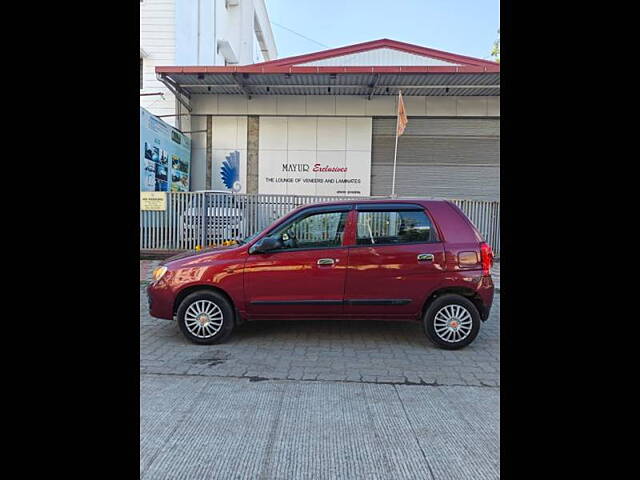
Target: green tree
[{"x": 495, "y": 51}]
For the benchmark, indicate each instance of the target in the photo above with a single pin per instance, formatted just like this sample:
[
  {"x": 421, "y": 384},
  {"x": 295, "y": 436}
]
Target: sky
[{"x": 466, "y": 27}]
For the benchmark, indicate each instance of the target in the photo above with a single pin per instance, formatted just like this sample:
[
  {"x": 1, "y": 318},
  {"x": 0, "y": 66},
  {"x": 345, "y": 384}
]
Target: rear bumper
[
  {"x": 485, "y": 292},
  {"x": 485, "y": 312}
]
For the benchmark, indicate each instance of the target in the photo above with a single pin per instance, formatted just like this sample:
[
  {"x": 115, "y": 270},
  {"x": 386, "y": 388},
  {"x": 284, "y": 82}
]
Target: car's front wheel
[
  {"x": 452, "y": 321},
  {"x": 205, "y": 317}
]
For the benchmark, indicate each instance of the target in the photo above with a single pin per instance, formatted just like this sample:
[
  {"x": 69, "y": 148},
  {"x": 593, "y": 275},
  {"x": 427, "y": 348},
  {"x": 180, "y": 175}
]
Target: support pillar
[
  {"x": 208, "y": 178},
  {"x": 253, "y": 136}
]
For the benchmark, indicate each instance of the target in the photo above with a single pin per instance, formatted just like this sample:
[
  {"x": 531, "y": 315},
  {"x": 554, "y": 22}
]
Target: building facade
[
  {"x": 324, "y": 123},
  {"x": 197, "y": 32}
]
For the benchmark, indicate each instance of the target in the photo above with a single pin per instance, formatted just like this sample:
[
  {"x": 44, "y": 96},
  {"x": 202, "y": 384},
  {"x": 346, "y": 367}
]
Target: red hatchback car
[{"x": 399, "y": 260}]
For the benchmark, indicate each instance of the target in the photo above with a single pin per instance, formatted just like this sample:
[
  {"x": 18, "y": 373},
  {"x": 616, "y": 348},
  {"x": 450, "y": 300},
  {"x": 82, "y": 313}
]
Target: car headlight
[{"x": 158, "y": 273}]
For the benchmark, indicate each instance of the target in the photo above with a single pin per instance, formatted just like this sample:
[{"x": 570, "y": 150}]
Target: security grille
[{"x": 438, "y": 157}]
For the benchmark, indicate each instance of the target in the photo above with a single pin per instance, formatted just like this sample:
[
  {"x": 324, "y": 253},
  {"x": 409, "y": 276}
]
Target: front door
[
  {"x": 305, "y": 278},
  {"x": 396, "y": 262}
]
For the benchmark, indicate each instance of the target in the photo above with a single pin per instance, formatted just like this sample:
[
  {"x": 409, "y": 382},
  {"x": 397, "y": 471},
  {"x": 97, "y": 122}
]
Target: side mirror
[{"x": 265, "y": 244}]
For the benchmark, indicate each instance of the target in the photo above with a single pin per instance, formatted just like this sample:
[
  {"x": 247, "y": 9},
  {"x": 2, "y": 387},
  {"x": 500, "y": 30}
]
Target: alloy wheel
[
  {"x": 453, "y": 323},
  {"x": 203, "y": 318}
]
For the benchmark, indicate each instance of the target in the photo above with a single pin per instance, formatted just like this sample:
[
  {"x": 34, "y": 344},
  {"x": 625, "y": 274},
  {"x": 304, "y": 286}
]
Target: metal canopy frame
[
  {"x": 369, "y": 85},
  {"x": 177, "y": 90}
]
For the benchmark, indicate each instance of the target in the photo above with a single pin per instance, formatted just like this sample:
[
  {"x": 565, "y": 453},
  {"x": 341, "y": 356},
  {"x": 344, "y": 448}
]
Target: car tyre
[
  {"x": 456, "y": 310},
  {"x": 199, "y": 316}
]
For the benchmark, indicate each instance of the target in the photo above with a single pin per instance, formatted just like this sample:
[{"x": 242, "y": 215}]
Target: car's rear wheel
[
  {"x": 205, "y": 317},
  {"x": 452, "y": 321}
]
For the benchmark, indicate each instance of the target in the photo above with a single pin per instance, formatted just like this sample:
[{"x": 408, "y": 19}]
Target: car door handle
[
  {"x": 326, "y": 261},
  {"x": 425, "y": 257}
]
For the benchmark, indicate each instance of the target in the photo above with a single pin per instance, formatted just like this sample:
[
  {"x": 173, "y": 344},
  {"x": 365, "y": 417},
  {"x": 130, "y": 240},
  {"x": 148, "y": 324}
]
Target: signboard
[
  {"x": 165, "y": 156},
  {"x": 153, "y": 201},
  {"x": 332, "y": 177},
  {"x": 315, "y": 156}
]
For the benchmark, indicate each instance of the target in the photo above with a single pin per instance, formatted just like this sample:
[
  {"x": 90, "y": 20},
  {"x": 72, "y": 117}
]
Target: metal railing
[
  {"x": 206, "y": 218},
  {"x": 485, "y": 215}
]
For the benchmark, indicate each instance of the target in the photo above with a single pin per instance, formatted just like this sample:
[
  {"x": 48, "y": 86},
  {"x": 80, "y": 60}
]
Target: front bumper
[{"x": 160, "y": 301}]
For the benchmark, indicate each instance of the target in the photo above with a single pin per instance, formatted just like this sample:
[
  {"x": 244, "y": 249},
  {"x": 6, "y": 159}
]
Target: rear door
[{"x": 397, "y": 261}]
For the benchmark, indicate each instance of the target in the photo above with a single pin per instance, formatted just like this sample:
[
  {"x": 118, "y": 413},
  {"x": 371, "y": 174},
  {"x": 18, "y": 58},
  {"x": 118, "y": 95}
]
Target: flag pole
[{"x": 395, "y": 153}]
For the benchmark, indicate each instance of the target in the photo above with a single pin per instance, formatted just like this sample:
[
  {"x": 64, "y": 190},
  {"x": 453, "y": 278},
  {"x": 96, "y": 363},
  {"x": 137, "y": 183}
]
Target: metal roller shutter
[{"x": 438, "y": 157}]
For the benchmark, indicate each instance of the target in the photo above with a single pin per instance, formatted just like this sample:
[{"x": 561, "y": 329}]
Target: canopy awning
[{"x": 337, "y": 72}]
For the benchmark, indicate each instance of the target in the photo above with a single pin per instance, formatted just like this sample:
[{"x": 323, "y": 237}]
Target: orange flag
[{"x": 402, "y": 116}]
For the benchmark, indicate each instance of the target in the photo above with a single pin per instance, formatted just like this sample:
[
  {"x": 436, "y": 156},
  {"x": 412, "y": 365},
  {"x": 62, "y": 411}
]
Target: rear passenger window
[{"x": 390, "y": 228}]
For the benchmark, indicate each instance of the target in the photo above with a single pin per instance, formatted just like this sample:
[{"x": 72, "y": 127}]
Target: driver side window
[{"x": 320, "y": 230}]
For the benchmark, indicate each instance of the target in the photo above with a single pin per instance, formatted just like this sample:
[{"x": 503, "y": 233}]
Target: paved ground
[
  {"x": 318, "y": 400},
  {"x": 213, "y": 428}
]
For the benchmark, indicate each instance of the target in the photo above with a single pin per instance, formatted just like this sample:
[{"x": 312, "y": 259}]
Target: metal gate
[{"x": 194, "y": 219}]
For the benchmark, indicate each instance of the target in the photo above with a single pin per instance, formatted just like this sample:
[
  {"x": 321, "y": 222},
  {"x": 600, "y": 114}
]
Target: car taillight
[{"x": 486, "y": 258}]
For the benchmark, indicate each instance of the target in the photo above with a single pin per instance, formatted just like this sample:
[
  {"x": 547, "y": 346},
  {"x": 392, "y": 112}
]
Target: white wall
[
  {"x": 198, "y": 24},
  {"x": 201, "y": 23},
  {"x": 228, "y": 134},
  {"x": 186, "y": 33},
  {"x": 157, "y": 39},
  {"x": 378, "y": 57},
  {"x": 310, "y": 105},
  {"x": 344, "y": 105},
  {"x": 238, "y": 25}
]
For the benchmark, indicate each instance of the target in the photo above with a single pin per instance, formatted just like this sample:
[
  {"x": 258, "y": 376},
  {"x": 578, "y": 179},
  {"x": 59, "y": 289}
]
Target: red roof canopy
[{"x": 452, "y": 74}]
